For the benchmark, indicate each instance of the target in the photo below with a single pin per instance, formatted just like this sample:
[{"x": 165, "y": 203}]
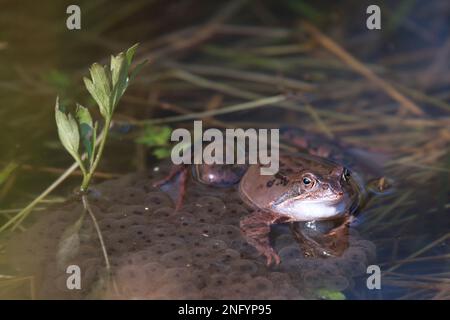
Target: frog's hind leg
[
  {"x": 256, "y": 229},
  {"x": 176, "y": 170},
  {"x": 342, "y": 229}
]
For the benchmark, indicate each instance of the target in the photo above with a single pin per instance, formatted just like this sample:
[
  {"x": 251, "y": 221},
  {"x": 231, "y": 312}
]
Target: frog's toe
[{"x": 272, "y": 257}]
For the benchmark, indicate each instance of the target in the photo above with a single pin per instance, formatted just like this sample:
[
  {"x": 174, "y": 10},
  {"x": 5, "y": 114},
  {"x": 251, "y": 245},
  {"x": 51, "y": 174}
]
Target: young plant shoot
[
  {"x": 80, "y": 137},
  {"x": 79, "y": 133}
]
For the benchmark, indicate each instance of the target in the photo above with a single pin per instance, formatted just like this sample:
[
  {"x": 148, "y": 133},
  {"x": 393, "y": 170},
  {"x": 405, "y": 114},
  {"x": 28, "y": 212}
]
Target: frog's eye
[{"x": 307, "y": 182}]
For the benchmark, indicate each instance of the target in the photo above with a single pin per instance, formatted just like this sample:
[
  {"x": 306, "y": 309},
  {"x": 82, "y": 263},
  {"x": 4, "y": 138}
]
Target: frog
[
  {"x": 312, "y": 184},
  {"x": 306, "y": 188}
]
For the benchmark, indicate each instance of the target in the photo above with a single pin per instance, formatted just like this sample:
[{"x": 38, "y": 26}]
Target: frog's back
[{"x": 367, "y": 163}]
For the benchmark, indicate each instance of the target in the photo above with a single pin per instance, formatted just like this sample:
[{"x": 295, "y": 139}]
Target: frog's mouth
[{"x": 317, "y": 209}]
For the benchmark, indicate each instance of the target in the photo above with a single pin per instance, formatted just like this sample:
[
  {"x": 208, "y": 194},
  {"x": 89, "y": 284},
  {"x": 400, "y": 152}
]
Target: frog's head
[
  {"x": 323, "y": 188},
  {"x": 319, "y": 192},
  {"x": 305, "y": 188}
]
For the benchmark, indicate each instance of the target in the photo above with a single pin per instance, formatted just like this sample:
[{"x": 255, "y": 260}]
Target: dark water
[{"x": 42, "y": 59}]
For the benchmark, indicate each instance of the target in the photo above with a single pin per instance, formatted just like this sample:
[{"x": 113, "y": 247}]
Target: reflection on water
[{"x": 257, "y": 53}]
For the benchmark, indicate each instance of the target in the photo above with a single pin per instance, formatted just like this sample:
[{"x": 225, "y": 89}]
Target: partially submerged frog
[{"x": 306, "y": 188}]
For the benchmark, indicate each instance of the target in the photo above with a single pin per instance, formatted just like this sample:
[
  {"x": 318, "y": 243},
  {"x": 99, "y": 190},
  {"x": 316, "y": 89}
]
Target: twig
[
  {"x": 209, "y": 113},
  {"x": 203, "y": 33},
  {"x": 98, "y": 174},
  {"x": 19, "y": 217},
  {"x": 405, "y": 261},
  {"x": 359, "y": 67},
  {"x": 419, "y": 252},
  {"x": 15, "y": 221},
  {"x": 245, "y": 75}
]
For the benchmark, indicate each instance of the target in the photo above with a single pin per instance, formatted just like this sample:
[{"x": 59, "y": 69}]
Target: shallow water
[
  {"x": 44, "y": 59},
  {"x": 159, "y": 253}
]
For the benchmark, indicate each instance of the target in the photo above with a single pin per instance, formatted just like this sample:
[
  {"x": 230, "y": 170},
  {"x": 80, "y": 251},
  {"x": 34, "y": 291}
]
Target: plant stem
[
  {"x": 88, "y": 208},
  {"x": 88, "y": 177},
  {"x": 25, "y": 211}
]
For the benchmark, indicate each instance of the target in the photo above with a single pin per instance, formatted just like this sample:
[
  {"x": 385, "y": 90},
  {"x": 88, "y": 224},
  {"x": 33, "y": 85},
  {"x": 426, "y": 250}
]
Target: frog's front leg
[
  {"x": 256, "y": 229},
  {"x": 309, "y": 246},
  {"x": 336, "y": 239},
  {"x": 342, "y": 229},
  {"x": 176, "y": 170}
]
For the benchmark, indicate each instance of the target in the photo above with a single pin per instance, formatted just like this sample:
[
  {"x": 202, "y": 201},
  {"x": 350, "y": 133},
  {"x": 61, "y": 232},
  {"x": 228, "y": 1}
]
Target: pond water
[{"x": 217, "y": 57}]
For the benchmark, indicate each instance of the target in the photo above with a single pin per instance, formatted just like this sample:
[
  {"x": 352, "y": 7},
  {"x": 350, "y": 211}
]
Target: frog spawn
[{"x": 157, "y": 253}]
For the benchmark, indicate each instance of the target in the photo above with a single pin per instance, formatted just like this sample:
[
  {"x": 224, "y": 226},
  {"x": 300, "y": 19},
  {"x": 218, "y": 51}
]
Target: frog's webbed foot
[
  {"x": 176, "y": 170},
  {"x": 256, "y": 229}
]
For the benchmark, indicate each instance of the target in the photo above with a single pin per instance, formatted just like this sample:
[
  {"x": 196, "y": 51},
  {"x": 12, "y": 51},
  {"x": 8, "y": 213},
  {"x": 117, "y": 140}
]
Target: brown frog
[{"x": 306, "y": 188}]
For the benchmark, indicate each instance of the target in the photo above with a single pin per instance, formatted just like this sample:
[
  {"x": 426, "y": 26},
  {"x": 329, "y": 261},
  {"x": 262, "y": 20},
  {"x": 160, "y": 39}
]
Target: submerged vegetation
[{"x": 258, "y": 67}]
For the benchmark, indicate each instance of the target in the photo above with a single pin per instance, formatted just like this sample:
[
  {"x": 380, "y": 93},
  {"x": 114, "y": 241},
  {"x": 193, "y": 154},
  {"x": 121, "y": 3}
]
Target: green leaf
[
  {"x": 67, "y": 131},
  {"x": 104, "y": 111},
  {"x": 120, "y": 75},
  {"x": 130, "y": 53},
  {"x": 116, "y": 66},
  {"x": 155, "y": 136},
  {"x": 101, "y": 80},
  {"x": 57, "y": 79},
  {"x": 162, "y": 153},
  {"x": 120, "y": 66},
  {"x": 330, "y": 294},
  {"x": 86, "y": 130}
]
